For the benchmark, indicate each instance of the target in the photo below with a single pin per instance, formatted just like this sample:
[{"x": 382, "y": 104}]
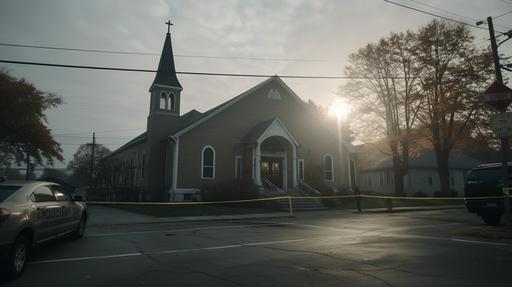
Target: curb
[
  {"x": 186, "y": 219},
  {"x": 407, "y": 209}
]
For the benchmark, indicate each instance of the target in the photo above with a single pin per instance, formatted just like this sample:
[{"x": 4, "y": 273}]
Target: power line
[
  {"x": 182, "y": 73},
  {"x": 98, "y": 132},
  {"x": 439, "y": 16},
  {"x": 450, "y": 12},
  {"x": 442, "y": 10},
  {"x": 501, "y": 15},
  {"x": 176, "y": 55}
]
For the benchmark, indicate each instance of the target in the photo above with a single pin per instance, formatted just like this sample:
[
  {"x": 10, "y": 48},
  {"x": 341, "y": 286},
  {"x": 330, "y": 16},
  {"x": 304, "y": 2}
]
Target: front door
[{"x": 272, "y": 169}]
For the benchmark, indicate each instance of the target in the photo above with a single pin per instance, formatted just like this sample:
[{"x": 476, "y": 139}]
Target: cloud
[{"x": 103, "y": 100}]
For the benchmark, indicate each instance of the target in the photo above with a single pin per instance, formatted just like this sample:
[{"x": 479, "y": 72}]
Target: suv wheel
[
  {"x": 18, "y": 256},
  {"x": 492, "y": 218},
  {"x": 80, "y": 230}
]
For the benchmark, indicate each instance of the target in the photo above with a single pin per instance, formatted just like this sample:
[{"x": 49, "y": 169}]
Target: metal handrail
[
  {"x": 309, "y": 189},
  {"x": 272, "y": 186}
]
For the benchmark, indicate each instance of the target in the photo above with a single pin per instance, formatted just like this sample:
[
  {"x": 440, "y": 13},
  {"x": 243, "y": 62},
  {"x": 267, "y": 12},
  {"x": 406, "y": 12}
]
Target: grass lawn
[{"x": 194, "y": 210}]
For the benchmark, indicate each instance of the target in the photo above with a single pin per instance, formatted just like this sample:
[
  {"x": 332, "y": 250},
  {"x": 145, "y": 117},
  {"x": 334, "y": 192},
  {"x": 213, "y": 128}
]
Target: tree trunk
[
  {"x": 443, "y": 171},
  {"x": 397, "y": 171},
  {"x": 405, "y": 162}
]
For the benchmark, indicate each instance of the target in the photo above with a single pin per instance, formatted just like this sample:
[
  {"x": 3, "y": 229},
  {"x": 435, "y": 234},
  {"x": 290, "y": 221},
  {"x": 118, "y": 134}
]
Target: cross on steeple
[{"x": 169, "y": 24}]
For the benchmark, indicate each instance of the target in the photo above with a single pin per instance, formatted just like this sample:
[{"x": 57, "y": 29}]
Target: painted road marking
[
  {"x": 176, "y": 230},
  {"x": 388, "y": 233},
  {"x": 74, "y": 259},
  {"x": 481, "y": 242}
]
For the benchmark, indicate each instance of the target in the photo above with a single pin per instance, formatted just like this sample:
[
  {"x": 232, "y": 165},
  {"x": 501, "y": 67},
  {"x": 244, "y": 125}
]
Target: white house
[{"x": 377, "y": 175}]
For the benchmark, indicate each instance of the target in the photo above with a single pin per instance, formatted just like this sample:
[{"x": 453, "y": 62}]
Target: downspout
[{"x": 176, "y": 150}]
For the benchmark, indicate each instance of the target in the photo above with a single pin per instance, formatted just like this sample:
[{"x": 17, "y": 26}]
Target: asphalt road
[{"x": 313, "y": 249}]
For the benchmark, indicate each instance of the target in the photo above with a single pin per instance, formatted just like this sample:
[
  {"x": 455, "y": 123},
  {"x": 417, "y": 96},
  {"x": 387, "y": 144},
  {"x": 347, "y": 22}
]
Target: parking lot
[{"x": 324, "y": 248}]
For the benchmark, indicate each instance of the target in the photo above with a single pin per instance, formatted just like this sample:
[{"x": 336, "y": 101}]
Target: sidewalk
[{"x": 106, "y": 215}]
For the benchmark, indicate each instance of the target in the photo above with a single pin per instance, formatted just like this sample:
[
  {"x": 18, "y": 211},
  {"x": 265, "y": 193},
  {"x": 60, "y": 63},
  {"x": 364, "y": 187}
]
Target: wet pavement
[{"x": 325, "y": 248}]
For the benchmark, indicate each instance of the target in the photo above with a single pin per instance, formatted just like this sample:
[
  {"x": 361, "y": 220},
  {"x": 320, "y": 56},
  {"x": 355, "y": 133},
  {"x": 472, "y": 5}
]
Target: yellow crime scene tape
[{"x": 292, "y": 198}]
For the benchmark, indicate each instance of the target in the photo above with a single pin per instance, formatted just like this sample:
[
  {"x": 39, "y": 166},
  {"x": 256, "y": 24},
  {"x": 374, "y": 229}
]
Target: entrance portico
[{"x": 274, "y": 150}]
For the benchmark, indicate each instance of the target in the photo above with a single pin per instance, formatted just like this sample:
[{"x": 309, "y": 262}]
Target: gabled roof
[
  {"x": 256, "y": 134},
  {"x": 166, "y": 73},
  {"x": 257, "y": 131},
  {"x": 138, "y": 139},
  {"x": 218, "y": 109}
]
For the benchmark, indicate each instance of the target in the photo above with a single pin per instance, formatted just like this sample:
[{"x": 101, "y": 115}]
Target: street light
[{"x": 340, "y": 108}]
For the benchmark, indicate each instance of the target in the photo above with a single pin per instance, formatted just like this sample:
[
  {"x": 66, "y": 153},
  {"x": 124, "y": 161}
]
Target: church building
[{"x": 267, "y": 134}]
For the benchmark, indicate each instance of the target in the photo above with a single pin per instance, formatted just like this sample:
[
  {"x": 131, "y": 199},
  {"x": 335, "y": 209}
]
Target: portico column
[
  {"x": 294, "y": 167},
  {"x": 257, "y": 164}
]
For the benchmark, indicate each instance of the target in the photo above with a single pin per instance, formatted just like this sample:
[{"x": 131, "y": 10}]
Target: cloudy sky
[{"x": 115, "y": 104}]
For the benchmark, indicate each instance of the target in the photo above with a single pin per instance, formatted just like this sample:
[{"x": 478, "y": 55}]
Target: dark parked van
[{"x": 486, "y": 181}]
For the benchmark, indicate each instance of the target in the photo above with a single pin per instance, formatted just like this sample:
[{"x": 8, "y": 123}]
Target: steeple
[
  {"x": 166, "y": 73},
  {"x": 166, "y": 89}
]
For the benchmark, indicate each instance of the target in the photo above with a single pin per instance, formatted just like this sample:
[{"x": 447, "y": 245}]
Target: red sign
[{"x": 498, "y": 96}]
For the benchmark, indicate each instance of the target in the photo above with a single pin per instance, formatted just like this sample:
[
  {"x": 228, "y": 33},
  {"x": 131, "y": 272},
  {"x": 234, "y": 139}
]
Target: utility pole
[
  {"x": 92, "y": 160},
  {"x": 504, "y": 138},
  {"x": 27, "y": 175}
]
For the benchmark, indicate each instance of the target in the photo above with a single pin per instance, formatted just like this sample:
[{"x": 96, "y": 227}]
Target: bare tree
[{"x": 384, "y": 88}]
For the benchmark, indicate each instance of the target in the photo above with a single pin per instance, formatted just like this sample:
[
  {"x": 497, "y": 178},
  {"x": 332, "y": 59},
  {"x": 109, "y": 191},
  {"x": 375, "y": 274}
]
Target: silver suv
[{"x": 32, "y": 212}]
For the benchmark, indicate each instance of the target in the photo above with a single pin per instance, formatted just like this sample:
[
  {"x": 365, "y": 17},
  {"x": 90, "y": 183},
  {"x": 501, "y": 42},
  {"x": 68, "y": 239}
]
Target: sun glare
[{"x": 340, "y": 108}]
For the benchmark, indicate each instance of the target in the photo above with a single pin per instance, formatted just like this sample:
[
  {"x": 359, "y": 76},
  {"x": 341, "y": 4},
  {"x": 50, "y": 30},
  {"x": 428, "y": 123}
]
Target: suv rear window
[{"x": 7, "y": 190}]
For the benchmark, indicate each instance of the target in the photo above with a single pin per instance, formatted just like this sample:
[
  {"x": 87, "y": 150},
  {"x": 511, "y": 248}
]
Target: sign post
[{"x": 498, "y": 96}]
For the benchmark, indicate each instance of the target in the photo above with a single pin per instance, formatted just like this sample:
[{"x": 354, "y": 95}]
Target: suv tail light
[{"x": 4, "y": 214}]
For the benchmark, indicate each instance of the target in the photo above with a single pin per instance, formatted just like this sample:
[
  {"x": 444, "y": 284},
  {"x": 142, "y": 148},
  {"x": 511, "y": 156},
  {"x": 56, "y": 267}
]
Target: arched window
[
  {"x": 328, "y": 168},
  {"x": 208, "y": 162},
  {"x": 171, "y": 102},
  {"x": 163, "y": 101}
]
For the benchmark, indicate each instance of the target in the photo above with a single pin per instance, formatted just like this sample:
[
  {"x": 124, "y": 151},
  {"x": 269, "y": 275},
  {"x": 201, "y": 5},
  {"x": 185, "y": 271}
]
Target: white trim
[
  {"x": 285, "y": 171},
  {"x": 202, "y": 162},
  {"x": 164, "y": 93},
  {"x": 332, "y": 167},
  {"x": 282, "y": 132},
  {"x": 257, "y": 169},
  {"x": 300, "y": 169},
  {"x": 175, "y": 166},
  {"x": 253, "y": 163},
  {"x": 236, "y": 166},
  {"x": 295, "y": 182},
  {"x": 287, "y": 134}
]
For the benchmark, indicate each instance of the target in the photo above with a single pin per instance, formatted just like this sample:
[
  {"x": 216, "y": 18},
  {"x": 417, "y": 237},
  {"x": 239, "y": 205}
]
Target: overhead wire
[
  {"x": 182, "y": 73},
  {"x": 175, "y": 55},
  {"x": 438, "y": 16},
  {"x": 501, "y": 15},
  {"x": 452, "y": 13}
]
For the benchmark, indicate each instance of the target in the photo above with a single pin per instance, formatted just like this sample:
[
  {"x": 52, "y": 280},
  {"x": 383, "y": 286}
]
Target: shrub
[
  {"x": 420, "y": 194},
  {"x": 230, "y": 190},
  {"x": 451, "y": 193}
]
